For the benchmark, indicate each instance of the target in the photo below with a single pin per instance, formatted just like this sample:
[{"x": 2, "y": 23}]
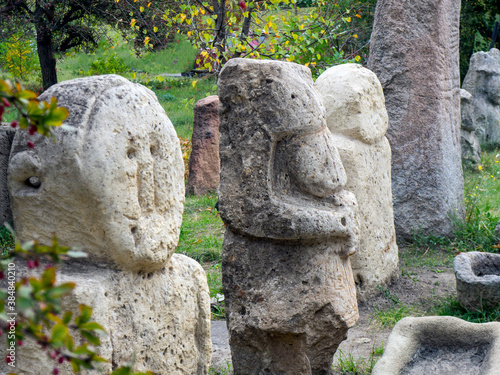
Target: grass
[
  {"x": 450, "y": 306},
  {"x": 202, "y": 233},
  {"x": 347, "y": 365},
  {"x": 389, "y": 317}
]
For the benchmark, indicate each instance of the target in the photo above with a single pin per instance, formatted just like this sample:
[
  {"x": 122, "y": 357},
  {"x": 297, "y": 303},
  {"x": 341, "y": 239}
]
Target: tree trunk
[{"x": 46, "y": 55}]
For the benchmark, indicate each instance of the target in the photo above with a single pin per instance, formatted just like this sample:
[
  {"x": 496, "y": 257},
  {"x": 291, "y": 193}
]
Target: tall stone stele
[
  {"x": 114, "y": 186},
  {"x": 483, "y": 83},
  {"x": 290, "y": 226},
  {"x": 414, "y": 53},
  {"x": 204, "y": 162},
  {"x": 357, "y": 118}
]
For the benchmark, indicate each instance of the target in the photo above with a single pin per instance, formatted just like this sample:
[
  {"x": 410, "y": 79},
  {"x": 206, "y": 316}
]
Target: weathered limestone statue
[
  {"x": 483, "y": 82},
  {"x": 414, "y": 53},
  {"x": 290, "y": 227},
  {"x": 471, "y": 148},
  {"x": 357, "y": 118},
  {"x": 115, "y": 187}
]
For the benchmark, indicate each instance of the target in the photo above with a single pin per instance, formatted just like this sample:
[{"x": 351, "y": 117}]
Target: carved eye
[
  {"x": 131, "y": 153},
  {"x": 33, "y": 182}
]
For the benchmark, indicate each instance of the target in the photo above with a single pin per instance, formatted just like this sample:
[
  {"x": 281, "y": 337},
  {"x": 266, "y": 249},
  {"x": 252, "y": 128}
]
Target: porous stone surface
[
  {"x": 204, "y": 162},
  {"x": 483, "y": 82},
  {"x": 471, "y": 148},
  {"x": 357, "y": 118},
  {"x": 414, "y": 53},
  {"x": 290, "y": 226},
  {"x": 119, "y": 176},
  {"x": 114, "y": 185},
  {"x": 441, "y": 345},
  {"x": 6, "y": 137},
  {"x": 478, "y": 279}
]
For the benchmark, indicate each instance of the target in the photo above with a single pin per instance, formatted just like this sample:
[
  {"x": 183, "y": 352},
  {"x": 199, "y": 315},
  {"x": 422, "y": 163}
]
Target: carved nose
[{"x": 146, "y": 183}]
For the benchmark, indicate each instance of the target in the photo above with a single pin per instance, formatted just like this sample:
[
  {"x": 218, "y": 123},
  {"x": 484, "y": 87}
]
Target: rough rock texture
[
  {"x": 161, "y": 318},
  {"x": 478, "y": 279},
  {"x": 414, "y": 53},
  {"x": 290, "y": 226},
  {"x": 471, "y": 148},
  {"x": 441, "y": 345},
  {"x": 357, "y": 118},
  {"x": 119, "y": 176},
  {"x": 6, "y": 137},
  {"x": 204, "y": 162},
  {"x": 115, "y": 187},
  {"x": 483, "y": 82}
]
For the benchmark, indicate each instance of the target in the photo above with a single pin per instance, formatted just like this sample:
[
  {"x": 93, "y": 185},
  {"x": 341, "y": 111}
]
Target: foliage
[
  {"x": 145, "y": 21},
  {"x": 319, "y": 36},
  {"x": 36, "y": 116},
  {"x": 477, "y": 18},
  {"x": 110, "y": 64},
  {"x": 18, "y": 56},
  {"x": 7, "y": 241}
]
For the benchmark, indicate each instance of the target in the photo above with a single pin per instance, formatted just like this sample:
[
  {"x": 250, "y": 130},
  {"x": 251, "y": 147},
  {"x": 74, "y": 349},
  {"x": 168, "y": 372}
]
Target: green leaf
[
  {"x": 124, "y": 370},
  {"x": 91, "y": 326},
  {"x": 61, "y": 290},
  {"x": 85, "y": 314},
  {"x": 26, "y": 94},
  {"x": 67, "y": 317},
  {"x": 49, "y": 277},
  {"x": 59, "y": 332},
  {"x": 93, "y": 339}
]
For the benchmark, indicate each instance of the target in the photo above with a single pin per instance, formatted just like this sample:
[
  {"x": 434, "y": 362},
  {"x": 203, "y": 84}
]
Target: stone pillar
[
  {"x": 414, "y": 52},
  {"x": 483, "y": 83},
  {"x": 115, "y": 187},
  {"x": 290, "y": 225},
  {"x": 6, "y": 137},
  {"x": 204, "y": 162},
  {"x": 357, "y": 118},
  {"x": 471, "y": 148}
]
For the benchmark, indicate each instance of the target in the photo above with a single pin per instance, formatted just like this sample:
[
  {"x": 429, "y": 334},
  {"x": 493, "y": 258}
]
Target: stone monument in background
[
  {"x": 115, "y": 187},
  {"x": 290, "y": 225},
  {"x": 483, "y": 83},
  {"x": 471, "y": 148},
  {"x": 357, "y": 118},
  {"x": 204, "y": 162},
  {"x": 414, "y": 53}
]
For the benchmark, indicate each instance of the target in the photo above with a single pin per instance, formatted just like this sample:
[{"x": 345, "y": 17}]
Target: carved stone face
[{"x": 114, "y": 187}]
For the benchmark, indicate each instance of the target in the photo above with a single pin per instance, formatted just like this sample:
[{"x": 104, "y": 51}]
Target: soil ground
[{"x": 416, "y": 293}]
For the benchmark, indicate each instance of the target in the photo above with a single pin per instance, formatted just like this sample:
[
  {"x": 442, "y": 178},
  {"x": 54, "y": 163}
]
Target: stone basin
[
  {"x": 441, "y": 345},
  {"x": 478, "y": 279}
]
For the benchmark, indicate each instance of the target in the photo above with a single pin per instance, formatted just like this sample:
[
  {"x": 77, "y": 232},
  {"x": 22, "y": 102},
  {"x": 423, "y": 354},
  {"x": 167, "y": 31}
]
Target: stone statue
[
  {"x": 471, "y": 148},
  {"x": 357, "y": 118},
  {"x": 114, "y": 186},
  {"x": 414, "y": 53},
  {"x": 290, "y": 226},
  {"x": 483, "y": 83}
]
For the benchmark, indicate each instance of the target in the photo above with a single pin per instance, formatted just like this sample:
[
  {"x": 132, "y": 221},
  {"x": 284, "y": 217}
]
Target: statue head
[
  {"x": 114, "y": 185},
  {"x": 356, "y": 103}
]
